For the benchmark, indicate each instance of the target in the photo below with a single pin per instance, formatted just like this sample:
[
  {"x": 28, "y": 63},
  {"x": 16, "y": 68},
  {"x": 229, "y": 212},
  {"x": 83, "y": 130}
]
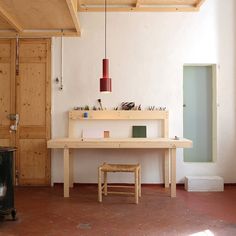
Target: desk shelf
[{"x": 119, "y": 115}]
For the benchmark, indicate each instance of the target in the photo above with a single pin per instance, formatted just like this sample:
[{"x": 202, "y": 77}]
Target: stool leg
[
  {"x": 99, "y": 185},
  {"x": 139, "y": 177},
  {"x": 136, "y": 186},
  {"x": 105, "y": 183}
]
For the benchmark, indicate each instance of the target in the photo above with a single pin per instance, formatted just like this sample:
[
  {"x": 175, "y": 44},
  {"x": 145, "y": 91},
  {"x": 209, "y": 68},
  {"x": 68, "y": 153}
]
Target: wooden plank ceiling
[
  {"x": 46, "y": 18},
  {"x": 32, "y": 18}
]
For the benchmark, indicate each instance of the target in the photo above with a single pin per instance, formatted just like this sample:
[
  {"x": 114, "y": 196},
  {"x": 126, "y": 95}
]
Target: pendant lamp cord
[{"x": 105, "y": 29}]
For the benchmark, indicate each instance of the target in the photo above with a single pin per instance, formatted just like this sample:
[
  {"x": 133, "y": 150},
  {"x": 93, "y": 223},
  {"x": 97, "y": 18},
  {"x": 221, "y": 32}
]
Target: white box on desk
[
  {"x": 92, "y": 133},
  {"x": 204, "y": 184}
]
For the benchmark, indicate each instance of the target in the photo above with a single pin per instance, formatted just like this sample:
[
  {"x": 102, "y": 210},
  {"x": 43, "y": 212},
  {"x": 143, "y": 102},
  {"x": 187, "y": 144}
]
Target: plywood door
[
  {"x": 33, "y": 106},
  {"x": 7, "y": 91}
]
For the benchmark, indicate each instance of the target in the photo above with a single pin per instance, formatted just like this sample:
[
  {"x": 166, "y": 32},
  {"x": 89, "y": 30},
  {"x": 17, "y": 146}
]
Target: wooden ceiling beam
[
  {"x": 138, "y": 3},
  {"x": 199, "y": 3},
  {"x": 38, "y": 33},
  {"x": 139, "y": 9},
  {"x": 10, "y": 19},
  {"x": 72, "y": 5}
]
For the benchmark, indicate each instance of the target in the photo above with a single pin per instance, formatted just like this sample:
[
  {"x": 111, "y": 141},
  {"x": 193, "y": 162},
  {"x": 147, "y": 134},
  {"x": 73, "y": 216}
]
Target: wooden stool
[{"x": 105, "y": 168}]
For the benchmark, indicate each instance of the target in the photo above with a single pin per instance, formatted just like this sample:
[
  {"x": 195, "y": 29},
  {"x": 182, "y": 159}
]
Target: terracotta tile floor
[{"x": 43, "y": 211}]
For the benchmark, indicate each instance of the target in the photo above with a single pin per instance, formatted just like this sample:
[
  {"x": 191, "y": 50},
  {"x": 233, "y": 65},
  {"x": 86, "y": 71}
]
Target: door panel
[
  {"x": 198, "y": 100},
  {"x": 32, "y": 93},
  {"x": 32, "y": 153},
  {"x": 7, "y": 91},
  {"x": 33, "y": 106},
  {"x": 5, "y": 94}
]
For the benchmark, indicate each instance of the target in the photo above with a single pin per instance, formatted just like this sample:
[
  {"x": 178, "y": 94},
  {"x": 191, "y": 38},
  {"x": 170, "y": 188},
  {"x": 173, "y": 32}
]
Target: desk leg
[
  {"x": 66, "y": 172},
  {"x": 71, "y": 171},
  {"x": 167, "y": 168},
  {"x": 173, "y": 172}
]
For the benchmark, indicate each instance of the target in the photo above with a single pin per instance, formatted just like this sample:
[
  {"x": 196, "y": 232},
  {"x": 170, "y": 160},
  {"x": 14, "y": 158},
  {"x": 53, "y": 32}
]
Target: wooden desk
[{"x": 133, "y": 143}]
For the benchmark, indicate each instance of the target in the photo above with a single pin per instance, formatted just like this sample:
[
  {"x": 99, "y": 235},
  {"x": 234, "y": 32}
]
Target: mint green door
[{"x": 197, "y": 112}]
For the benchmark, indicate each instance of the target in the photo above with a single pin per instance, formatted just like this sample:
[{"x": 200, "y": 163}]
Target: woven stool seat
[
  {"x": 105, "y": 168},
  {"x": 119, "y": 167}
]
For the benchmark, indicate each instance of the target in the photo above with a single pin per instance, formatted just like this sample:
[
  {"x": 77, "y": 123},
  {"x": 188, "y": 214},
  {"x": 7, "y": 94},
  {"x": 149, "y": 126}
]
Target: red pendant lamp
[{"x": 105, "y": 81}]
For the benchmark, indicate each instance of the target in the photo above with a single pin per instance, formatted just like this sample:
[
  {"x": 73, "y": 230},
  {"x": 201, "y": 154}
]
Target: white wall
[{"x": 147, "y": 52}]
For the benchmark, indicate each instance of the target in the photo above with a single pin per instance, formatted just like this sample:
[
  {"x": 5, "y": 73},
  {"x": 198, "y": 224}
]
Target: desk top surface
[{"x": 119, "y": 143}]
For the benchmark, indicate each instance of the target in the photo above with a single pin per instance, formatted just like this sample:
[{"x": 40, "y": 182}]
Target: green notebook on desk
[{"x": 139, "y": 131}]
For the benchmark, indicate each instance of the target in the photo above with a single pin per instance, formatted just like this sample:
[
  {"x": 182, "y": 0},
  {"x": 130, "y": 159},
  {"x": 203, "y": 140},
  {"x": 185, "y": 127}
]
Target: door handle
[
  {"x": 16, "y": 118},
  {"x": 184, "y": 105}
]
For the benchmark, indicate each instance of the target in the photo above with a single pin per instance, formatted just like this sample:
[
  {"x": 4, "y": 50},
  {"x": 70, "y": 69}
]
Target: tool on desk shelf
[
  {"x": 86, "y": 108},
  {"x": 100, "y": 103},
  {"x": 162, "y": 108},
  {"x": 151, "y": 108},
  {"x": 127, "y": 105}
]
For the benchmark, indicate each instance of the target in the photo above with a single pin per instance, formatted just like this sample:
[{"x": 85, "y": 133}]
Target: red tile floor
[{"x": 43, "y": 211}]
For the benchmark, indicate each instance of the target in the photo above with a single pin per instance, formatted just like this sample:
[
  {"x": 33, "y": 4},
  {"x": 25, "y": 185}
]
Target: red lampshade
[{"x": 105, "y": 81}]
